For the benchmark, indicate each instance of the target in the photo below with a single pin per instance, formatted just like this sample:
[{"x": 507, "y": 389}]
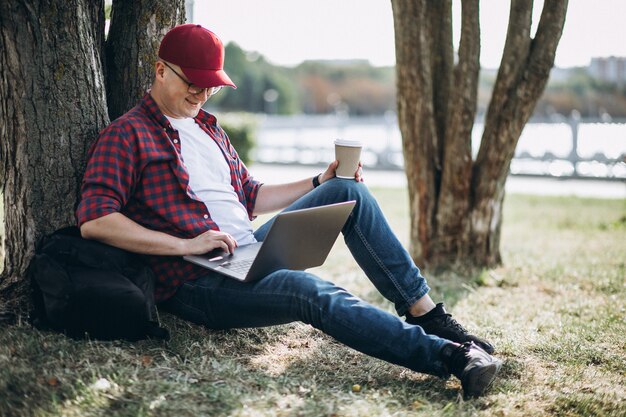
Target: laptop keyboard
[{"x": 238, "y": 266}]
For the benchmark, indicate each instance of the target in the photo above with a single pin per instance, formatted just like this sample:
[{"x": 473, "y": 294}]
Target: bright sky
[{"x": 287, "y": 32}]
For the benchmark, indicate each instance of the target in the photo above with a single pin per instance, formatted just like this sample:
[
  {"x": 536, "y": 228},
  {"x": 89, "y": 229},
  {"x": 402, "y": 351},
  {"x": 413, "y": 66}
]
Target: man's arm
[
  {"x": 276, "y": 197},
  {"x": 117, "y": 230}
]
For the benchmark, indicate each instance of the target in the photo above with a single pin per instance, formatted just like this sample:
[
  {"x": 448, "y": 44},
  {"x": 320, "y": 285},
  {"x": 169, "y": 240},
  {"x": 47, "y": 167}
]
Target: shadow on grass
[{"x": 294, "y": 368}]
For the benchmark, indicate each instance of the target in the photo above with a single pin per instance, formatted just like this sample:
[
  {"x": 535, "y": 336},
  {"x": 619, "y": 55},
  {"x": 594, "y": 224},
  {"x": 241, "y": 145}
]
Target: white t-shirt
[{"x": 209, "y": 178}]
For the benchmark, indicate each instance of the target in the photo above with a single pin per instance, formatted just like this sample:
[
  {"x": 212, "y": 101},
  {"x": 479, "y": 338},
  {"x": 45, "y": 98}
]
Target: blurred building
[{"x": 611, "y": 69}]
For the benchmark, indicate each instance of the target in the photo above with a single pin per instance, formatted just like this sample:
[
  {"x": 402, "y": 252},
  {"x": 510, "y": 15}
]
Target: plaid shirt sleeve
[{"x": 109, "y": 177}]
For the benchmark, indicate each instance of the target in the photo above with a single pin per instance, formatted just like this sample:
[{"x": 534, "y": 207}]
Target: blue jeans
[{"x": 285, "y": 296}]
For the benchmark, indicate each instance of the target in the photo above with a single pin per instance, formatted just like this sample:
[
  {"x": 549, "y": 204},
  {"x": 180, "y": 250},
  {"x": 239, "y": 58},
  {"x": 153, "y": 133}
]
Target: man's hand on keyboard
[{"x": 208, "y": 241}]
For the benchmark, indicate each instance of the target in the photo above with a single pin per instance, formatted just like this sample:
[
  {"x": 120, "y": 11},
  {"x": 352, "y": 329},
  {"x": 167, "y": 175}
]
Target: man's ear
[{"x": 159, "y": 70}]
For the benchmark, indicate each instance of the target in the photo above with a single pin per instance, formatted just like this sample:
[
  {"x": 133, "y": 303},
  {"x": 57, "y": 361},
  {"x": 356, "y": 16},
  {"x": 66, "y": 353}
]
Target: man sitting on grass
[{"x": 163, "y": 180}]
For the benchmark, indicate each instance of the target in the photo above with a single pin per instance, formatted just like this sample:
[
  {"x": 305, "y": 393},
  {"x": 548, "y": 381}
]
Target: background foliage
[
  {"x": 241, "y": 130},
  {"x": 358, "y": 88}
]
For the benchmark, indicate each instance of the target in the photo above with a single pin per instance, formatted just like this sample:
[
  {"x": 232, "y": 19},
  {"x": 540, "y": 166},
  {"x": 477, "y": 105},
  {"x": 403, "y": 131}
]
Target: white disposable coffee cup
[{"x": 348, "y": 153}]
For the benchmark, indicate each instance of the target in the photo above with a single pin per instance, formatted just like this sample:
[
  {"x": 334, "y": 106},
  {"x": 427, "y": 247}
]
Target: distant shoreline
[{"x": 532, "y": 185}]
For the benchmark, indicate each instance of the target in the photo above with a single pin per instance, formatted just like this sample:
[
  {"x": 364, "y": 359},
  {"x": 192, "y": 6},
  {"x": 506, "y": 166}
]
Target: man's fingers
[
  {"x": 358, "y": 175},
  {"x": 229, "y": 242},
  {"x": 330, "y": 171},
  {"x": 215, "y": 239}
]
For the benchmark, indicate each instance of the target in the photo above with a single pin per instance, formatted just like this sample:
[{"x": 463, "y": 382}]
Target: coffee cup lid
[{"x": 346, "y": 142}]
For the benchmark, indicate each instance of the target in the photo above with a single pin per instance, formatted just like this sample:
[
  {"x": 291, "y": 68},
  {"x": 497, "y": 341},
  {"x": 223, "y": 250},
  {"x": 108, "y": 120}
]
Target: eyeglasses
[{"x": 192, "y": 88}]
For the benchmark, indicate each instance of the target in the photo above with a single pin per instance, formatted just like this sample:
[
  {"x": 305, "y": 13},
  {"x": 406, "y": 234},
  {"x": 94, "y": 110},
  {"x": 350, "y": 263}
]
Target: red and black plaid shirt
[{"x": 135, "y": 168}]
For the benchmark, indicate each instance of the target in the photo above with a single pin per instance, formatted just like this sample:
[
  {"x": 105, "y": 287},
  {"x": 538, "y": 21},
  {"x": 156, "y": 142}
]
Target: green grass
[{"x": 556, "y": 311}]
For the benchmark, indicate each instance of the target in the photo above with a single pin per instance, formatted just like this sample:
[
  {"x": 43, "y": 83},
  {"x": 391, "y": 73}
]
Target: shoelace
[
  {"x": 460, "y": 358},
  {"x": 450, "y": 322}
]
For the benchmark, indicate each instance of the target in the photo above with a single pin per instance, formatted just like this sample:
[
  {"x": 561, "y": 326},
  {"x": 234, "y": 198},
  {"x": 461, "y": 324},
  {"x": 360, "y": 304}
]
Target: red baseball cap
[{"x": 198, "y": 52}]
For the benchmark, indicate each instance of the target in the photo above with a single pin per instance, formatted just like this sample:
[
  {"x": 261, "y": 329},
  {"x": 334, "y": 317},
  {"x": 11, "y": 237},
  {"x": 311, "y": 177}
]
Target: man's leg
[
  {"x": 285, "y": 296},
  {"x": 384, "y": 260},
  {"x": 371, "y": 241}
]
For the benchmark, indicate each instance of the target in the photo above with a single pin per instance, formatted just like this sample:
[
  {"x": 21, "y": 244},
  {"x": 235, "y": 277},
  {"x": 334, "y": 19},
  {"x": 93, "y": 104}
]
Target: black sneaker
[
  {"x": 441, "y": 324},
  {"x": 475, "y": 368}
]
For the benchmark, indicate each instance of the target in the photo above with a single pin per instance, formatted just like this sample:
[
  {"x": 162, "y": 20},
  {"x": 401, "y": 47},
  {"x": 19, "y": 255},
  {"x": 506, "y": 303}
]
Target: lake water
[
  {"x": 277, "y": 174},
  {"x": 543, "y": 148}
]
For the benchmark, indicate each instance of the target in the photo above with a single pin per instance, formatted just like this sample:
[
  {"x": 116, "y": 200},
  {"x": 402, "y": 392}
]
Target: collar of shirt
[{"x": 150, "y": 107}]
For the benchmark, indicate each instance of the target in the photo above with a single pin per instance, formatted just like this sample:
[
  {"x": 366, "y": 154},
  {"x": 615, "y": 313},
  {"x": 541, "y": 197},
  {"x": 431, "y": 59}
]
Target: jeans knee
[{"x": 346, "y": 189}]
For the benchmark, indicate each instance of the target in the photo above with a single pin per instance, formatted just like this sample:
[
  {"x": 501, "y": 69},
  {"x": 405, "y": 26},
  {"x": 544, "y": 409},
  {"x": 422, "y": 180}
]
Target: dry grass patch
[{"x": 555, "y": 310}]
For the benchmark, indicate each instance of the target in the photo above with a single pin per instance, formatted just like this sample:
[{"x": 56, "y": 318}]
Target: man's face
[{"x": 175, "y": 98}]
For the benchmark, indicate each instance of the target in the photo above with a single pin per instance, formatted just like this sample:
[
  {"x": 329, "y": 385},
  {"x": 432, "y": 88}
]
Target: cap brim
[{"x": 208, "y": 78}]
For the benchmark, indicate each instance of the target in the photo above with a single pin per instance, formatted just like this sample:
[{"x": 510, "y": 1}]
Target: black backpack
[{"x": 86, "y": 288}]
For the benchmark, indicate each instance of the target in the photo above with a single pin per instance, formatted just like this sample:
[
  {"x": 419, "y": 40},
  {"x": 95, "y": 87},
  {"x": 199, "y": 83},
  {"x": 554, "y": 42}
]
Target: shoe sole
[{"x": 481, "y": 378}]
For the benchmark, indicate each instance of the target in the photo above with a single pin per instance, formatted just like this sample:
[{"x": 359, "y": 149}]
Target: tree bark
[
  {"x": 132, "y": 45},
  {"x": 439, "y": 26},
  {"x": 523, "y": 75},
  {"x": 452, "y": 238},
  {"x": 416, "y": 120},
  {"x": 455, "y": 202},
  {"x": 53, "y": 104},
  {"x": 52, "y": 108}
]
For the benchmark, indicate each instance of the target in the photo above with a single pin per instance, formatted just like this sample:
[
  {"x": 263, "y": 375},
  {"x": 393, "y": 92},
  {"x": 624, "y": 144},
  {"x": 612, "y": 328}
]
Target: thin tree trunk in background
[
  {"x": 416, "y": 120},
  {"x": 456, "y": 203},
  {"x": 523, "y": 75},
  {"x": 132, "y": 45},
  {"x": 452, "y": 236},
  {"x": 52, "y": 108},
  {"x": 439, "y": 24}
]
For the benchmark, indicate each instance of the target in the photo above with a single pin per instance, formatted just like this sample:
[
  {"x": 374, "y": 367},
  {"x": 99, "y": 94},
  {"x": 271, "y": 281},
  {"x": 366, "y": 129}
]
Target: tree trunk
[
  {"x": 132, "y": 45},
  {"x": 53, "y": 106},
  {"x": 523, "y": 75},
  {"x": 416, "y": 116},
  {"x": 452, "y": 234},
  {"x": 456, "y": 203}
]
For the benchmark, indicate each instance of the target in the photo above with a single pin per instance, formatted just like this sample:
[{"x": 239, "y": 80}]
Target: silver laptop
[{"x": 297, "y": 240}]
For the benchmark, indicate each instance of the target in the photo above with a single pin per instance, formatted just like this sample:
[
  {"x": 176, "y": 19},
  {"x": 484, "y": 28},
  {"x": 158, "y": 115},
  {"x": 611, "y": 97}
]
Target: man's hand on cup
[
  {"x": 210, "y": 240},
  {"x": 358, "y": 175},
  {"x": 331, "y": 172}
]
